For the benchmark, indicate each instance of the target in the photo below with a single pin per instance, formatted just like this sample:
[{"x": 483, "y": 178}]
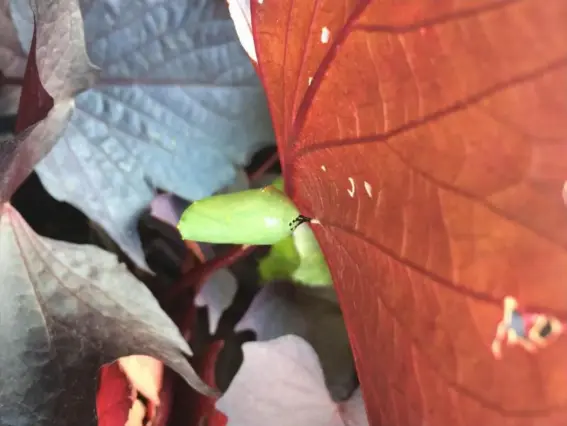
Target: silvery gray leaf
[
  {"x": 66, "y": 310},
  {"x": 179, "y": 107},
  {"x": 280, "y": 383}
]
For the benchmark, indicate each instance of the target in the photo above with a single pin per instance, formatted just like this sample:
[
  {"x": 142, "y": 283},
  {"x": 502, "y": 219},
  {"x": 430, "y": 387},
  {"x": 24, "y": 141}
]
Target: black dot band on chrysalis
[{"x": 298, "y": 221}]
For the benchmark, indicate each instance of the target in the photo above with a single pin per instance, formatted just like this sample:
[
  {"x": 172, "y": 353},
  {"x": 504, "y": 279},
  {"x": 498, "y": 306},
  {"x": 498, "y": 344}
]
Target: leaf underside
[
  {"x": 49, "y": 84},
  {"x": 12, "y": 60},
  {"x": 66, "y": 310},
  {"x": 429, "y": 140},
  {"x": 178, "y": 108}
]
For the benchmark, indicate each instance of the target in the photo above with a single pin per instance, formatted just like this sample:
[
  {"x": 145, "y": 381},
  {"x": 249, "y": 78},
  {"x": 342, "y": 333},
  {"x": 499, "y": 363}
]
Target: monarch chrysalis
[
  {"x": 313, "y": 269},
  {"x": 280, "y": 262},
  {"x": 256, "y": 217}
]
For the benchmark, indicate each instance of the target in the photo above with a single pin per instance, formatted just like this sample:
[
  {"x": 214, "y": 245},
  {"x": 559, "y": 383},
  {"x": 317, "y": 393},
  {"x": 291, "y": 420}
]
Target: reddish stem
[
  {"x": 186, "y": 288},
  {"x": 192, "y": 409},
  {"x": 194, "y": 278},
  {"x": 187, "y": 318},
  {"x": 257, "y": 174},
  {"x": 209, "y": 361},
  {"x": 206, "y": 411},
  {"x": 166, "y": 399}
]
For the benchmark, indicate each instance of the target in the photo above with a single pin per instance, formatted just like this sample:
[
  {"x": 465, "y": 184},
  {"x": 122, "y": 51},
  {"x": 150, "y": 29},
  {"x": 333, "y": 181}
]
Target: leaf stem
[
  {"x": 187, "y": 287},
  {"x": 119, "y": 81},
  {"x": 196, "y": 277},
  {"x": 165, "y": 398},
  {"x": 258, "y": 173}
]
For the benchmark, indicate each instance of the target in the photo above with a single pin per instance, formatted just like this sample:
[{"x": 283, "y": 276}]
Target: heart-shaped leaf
[
  {"x": 429, "y": 140},
  {"x": 12, "y": 56},
  {"x": 178, "y": 107},
  {"x": 66, "y": 310}
]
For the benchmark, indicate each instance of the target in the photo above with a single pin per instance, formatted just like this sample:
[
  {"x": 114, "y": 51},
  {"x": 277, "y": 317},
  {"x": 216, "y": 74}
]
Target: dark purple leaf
[
  {"x": 12, "y": 60},
  {"x": 12, "y": 56},
  {"x": 57, "y": 69},
  {"x": 65, "y": 310}
]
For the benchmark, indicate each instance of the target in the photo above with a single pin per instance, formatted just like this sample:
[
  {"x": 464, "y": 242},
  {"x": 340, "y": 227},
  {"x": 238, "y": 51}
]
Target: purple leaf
[
  {"x": 168, "y": 208},
  {"x": 282, "y": 308},
  {"x": 66, "y": 310},
  {"x": 12, "y": 56},
  {"x": 217, "y": 295},
  {"x": 179, "y": 107},
  {"x": 280, "y": 383},
  {"x": 12, "y": 60},
  {"x": 19, "y": 155},
  {"x": 64, "y": 67},
  {"x": 57, "y": 69}
]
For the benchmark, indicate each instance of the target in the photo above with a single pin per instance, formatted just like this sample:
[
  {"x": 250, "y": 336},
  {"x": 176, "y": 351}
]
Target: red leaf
[
  {"x": 35, "y": 101},
  {"x": 114, "y": 398},
  {"x": 429, "y": 140}
]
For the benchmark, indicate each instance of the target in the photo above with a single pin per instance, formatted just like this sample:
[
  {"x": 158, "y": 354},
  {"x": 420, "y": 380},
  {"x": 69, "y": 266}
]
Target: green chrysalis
[
  {"x": 313, "y": 269},
  {"x": 255, "y": 217},
  {"x": 298, "y": 258},
  {"x": 281, "y": 261}
]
